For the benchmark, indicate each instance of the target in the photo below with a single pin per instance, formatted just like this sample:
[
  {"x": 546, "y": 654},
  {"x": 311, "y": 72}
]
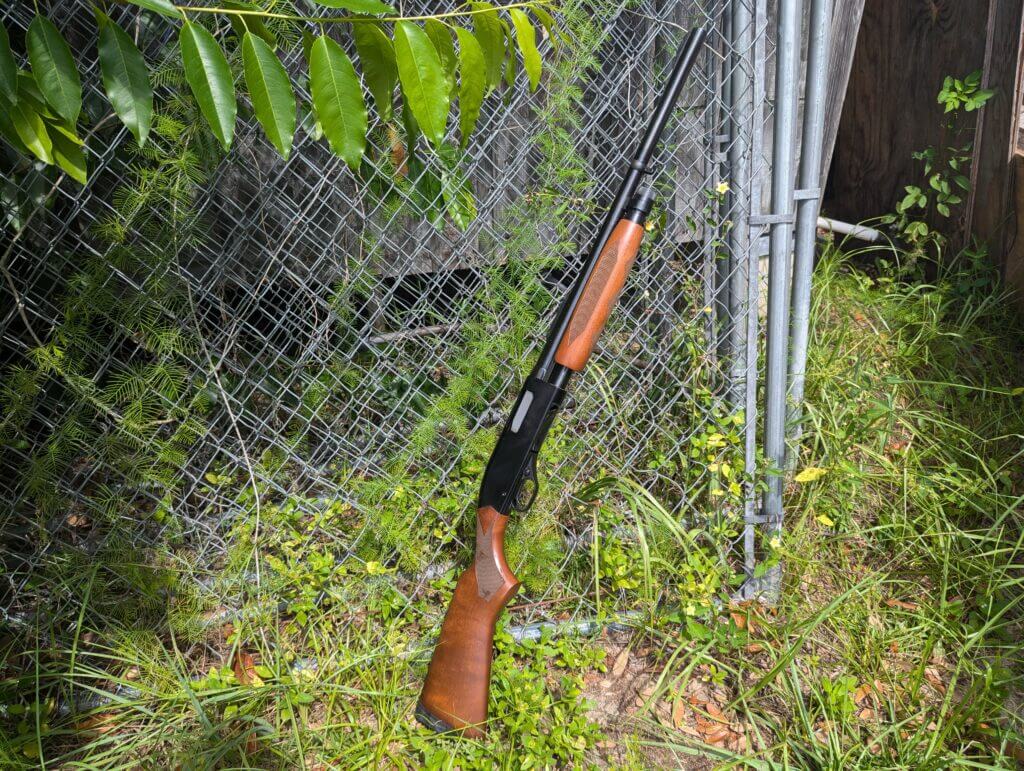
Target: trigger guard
[
  {"x": 518, "y": 503},
  {"x": 529, "y": 480}
]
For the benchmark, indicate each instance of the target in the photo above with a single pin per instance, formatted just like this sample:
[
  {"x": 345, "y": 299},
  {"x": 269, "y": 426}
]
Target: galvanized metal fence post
[
  {"x": 808, "y": 202},
  {"x": 780, "y": 221}
]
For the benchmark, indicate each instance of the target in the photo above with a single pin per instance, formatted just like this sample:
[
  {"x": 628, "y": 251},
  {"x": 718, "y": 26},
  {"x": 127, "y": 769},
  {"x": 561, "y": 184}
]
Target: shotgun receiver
[{"x": 455, "y": 692}]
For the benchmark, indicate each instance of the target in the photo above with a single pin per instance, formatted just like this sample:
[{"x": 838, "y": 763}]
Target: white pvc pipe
[{"x": 863, "y": 232}]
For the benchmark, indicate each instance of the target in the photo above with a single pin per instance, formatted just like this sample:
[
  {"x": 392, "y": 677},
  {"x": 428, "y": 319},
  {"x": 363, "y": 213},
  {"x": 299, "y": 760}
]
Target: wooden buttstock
[
  {"x": 455, "y": 692},
  {"x": 599, "y": 295}
]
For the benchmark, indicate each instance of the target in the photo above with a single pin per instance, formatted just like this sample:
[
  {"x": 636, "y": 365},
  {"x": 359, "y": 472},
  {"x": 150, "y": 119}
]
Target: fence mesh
[{"x": 221, "y": 363}]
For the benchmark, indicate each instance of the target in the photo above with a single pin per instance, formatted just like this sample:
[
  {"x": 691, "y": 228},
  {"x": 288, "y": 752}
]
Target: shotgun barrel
[{"x": 455, "y": 692}]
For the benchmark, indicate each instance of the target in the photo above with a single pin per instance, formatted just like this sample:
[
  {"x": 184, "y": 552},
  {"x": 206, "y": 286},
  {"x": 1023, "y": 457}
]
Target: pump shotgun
[{"x": 454, "y": 695}]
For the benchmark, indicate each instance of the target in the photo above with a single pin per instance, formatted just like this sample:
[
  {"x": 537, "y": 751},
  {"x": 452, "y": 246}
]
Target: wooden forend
[{"x": 599, "y": 295}]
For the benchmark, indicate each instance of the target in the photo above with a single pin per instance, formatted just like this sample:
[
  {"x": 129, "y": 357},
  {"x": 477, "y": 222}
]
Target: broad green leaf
[
  {"x": 8, "y": 69},
  {"x": 510, "y": 63},
  {"x": 65, "y": 129},
  {"x": 308, "y": 38},
  {"x": 29, "y": 91},
  {"x": 527, "y": 39},
  {"x": 31, "y": 131},
  {"x": 441, "y": 37},
  {"x": 165, "y": 7},
  {"x": 487, "y": 27},
  {"x": 125, "y": 78},
  {"x": 377, "y": 59},
  {"x": 54, "y": 68},
  {"x": 209, "y": 77},
  {"x": 69, "y": 155},
  {"x": 549, "y": 24},
  {"x": 472, "y": 82},
  {"x": 338, "y": 100},
  {"x": 8, "y": 132},
  {"x": 245, "y": 22},
  {"x": 358, "y": 6},
  {"x": 273, "y": 100},
  {"x": 423, "y": 82}
]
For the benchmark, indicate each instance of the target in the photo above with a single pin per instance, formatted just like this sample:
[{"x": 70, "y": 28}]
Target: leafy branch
[
  {"x": 946, "y": 170},
  {"x": 413, "y": 55}
]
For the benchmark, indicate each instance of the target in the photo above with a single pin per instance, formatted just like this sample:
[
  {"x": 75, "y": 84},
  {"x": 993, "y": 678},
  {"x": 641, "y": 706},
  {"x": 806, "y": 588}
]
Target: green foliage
[
  {"x": 50, "y": 56},
  {"x": 273, "y": 100},
  {"x": 527, "y": 41},
  {"x": 420, "y": 57},
  {"x": 209, "y": 76},
  {"x": 359, "y": 6},
  {"x": 946, "y": 170},
  {"x": 487, "y": 26},
  {"x": 377, "y": 60},
  {"x": 645, "y": 556},
  {"x": 838, "y": 702},
  {"x": 136, "y": 416},
  {"x": 472, "y": 82},
  {"x": 338, "y": 99},
  {"x": 8, "y": 69},
  {"x": 125, "y": 78},
  {"x": 422, "y": 79},
  {"x": 966, "y": 94}
]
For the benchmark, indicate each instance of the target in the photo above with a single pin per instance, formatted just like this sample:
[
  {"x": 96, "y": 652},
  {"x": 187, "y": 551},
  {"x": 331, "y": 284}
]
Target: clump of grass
[{"x": 896, "y": 644}]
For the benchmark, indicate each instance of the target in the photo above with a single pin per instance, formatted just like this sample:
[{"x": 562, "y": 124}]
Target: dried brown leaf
[
  {"x": 931, "y": 674},
  {"x": 719, "y": 736},
  {"x": 678, "y": 712},
  {"x": 621, "y": 662},
  {"x": 893, "y": 603},
  {"x": 99, "y": 723},
  {"x": 244, "y": 667}
]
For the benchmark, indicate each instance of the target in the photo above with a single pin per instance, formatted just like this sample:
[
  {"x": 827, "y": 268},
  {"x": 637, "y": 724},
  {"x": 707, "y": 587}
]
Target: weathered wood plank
[
  {"x": 1013, "y": 272},
  {"x": 989, "y": 207},
  {"x": 846, "y": 19}
]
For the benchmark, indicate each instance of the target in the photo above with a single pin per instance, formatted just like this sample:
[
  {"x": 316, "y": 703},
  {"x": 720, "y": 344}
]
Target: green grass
[{"x": 895, "y": 644}]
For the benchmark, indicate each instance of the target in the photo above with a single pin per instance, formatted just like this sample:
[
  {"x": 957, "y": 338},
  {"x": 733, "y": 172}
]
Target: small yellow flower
[
  {"x": 723, "y": 188},
  {"x": 775, "y": 542},
  {"x": 810, "y": 474}
]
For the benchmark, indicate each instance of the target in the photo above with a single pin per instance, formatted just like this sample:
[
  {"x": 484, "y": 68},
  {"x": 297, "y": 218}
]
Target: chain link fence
[{"x": 200, "y": 350}]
